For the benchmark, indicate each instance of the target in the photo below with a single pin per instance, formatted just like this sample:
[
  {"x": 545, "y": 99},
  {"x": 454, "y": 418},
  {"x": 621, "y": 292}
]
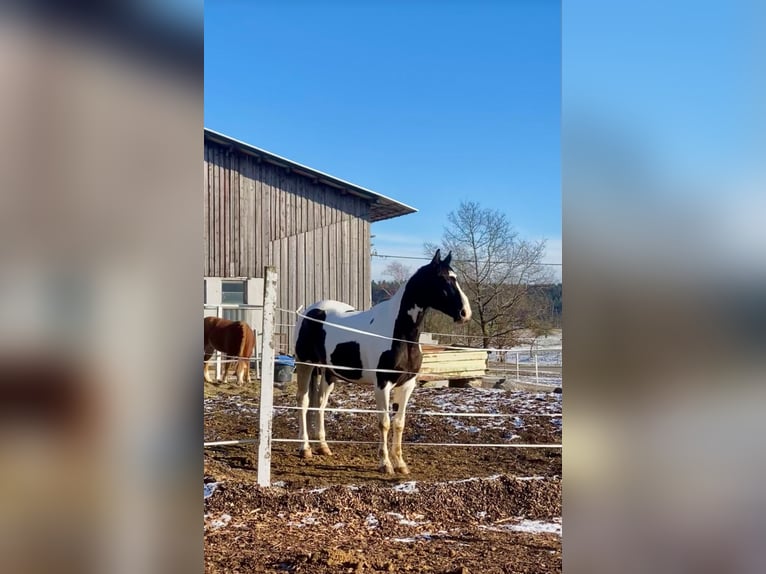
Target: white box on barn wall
[
  {"x": 254, "y": 291},
  {"x": 254, "y": 296},
  {"x": 213, "y": 294}
]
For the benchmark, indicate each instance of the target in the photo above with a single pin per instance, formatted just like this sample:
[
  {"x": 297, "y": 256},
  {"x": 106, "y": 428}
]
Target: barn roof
[{"x": 381, "y": 207}]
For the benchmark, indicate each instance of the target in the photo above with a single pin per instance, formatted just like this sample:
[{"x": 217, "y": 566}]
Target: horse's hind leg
[
  {"x": 205, "y": 366},
  {"x": 325, "y": 388},
  {"x": 245, "y": 354},
  {"x": 304, "y": 374},
  {"x": 225, "y": 367},
  {"x": 243, "y": 371}
]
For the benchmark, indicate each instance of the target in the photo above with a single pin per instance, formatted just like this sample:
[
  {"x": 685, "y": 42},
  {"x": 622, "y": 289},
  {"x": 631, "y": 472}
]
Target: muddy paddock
[{"x": 461, "y": 509}]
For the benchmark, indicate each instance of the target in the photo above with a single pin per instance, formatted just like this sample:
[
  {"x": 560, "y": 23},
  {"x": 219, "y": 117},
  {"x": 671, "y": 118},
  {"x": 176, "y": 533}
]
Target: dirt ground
[{"x": 462, "y": 509}]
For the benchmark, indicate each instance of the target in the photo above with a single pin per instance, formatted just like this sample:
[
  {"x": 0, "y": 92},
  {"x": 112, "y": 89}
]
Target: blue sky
[
  {"x": 664, "y": 106},
  {"x": 430, "y": 103}
]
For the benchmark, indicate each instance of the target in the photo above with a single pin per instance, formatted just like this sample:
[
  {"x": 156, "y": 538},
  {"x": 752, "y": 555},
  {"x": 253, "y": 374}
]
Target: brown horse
[{"x": 232, "y": 338}]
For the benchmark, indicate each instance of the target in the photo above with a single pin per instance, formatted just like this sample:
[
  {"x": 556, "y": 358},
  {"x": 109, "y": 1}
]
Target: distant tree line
[
  {"x": 512, "y": 294},
  {"x": 551, "y": 294},
  {"x": 548, "y": 297}
]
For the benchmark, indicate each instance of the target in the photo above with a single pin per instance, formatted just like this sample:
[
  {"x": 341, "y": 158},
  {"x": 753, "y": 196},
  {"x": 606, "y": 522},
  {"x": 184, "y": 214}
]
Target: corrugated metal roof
[{"x": 381, "y": 207}]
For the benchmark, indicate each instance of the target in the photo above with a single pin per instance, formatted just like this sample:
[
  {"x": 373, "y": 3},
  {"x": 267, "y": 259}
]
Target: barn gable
[{"x": 261, "y": 210}]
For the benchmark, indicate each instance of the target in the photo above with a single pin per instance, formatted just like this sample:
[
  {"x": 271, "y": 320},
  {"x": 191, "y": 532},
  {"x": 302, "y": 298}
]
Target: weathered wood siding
[{"x": 258, "y": 214}]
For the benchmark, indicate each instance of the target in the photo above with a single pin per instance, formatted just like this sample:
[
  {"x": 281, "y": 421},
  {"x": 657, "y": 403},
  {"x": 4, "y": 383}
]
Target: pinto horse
[
  {"x": 378, "y": 346},
  {"x": 232, "y": 338}
]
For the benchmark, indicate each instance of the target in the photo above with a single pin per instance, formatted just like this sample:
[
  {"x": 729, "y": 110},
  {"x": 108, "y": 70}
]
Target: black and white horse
[{"x": 389, "y": 359}]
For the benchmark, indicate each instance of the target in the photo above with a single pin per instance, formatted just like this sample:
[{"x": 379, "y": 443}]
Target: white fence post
[
  {"x": 219, "y": 314},
  {"x": 537, "y": 373},
  {"x": 267, "y": 377},
  {"x": 517, "y": 366}
]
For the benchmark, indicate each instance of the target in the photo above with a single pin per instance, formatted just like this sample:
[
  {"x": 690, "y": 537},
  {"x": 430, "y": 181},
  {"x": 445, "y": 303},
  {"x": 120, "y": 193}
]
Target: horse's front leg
[
  {"x": 399, "y": 399},
  {"x": 325, "y": 389},
  {"x": 384, "y": 424},
  {"x": 303, "y": 373}
]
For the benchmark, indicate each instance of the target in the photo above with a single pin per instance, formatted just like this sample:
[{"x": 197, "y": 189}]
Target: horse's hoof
[
  {"x": 325, "y": 450},
  {"x": 403, "y": 470},
  {"x": 386, "y": 469},
  {"x": 306, "y": 453}
]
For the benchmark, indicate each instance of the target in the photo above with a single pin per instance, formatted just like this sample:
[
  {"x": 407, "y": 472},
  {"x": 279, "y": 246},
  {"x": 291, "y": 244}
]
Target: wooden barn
[{"x": 261, "y": 209}]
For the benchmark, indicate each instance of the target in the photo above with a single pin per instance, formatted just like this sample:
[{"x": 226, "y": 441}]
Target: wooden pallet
[{"x": 440, "y": 363}]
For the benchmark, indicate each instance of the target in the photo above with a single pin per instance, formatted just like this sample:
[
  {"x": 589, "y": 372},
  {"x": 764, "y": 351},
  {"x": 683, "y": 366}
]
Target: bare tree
[
  {"x": 495, "y": 269},
  {"x": 399, "y": 273}
]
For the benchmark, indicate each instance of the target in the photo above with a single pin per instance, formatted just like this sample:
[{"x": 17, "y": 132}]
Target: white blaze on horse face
[
  {"x": 414, "y": 312},
  {"x": 463, "y": 298}
]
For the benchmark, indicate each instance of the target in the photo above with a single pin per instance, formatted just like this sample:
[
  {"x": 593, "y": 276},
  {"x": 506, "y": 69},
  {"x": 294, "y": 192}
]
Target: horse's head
[{"x": 437, "y": 287}]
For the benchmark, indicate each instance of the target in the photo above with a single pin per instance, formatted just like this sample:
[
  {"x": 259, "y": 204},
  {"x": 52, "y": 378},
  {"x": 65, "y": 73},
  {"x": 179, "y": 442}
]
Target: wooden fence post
[{"x": 267, "y": 377}]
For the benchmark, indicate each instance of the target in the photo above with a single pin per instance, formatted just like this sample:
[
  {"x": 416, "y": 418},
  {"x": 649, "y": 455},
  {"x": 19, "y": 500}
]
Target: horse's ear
[
  {"x": 437, "y": 257},
  {"x": 447, "y": 259}
]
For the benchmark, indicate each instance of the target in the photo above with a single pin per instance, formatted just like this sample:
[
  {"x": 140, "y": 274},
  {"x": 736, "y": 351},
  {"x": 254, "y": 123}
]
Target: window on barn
[{"x": 233, "y": 292}]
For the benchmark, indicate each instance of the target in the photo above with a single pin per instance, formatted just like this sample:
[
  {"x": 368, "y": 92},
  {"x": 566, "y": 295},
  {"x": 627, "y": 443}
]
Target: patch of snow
[
  {"x": 279, "y": 484},
  {"x": 537, "y": 527},
  {"x": 210, "y": 488},
  {"x": 371, "y": 521},
  {"x": 403, "y": 520},
  {"x": 528, "y": 527},
  {"x": 424, "y": 536},
  {"x": 220, "y": 522},
  {"x": 407, "y": 487},
  {"x": 305, "y": 521},
  {"x": 338, "y": 525},
  {"x": 472, "y": 479},
  {"x": 460, "y": 425},
  {"x": 481, "y": 515}
]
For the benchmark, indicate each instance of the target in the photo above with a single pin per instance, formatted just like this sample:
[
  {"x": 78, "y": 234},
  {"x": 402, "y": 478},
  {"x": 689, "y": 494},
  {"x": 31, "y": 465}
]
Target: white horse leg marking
[
  {"x": 399, "y": 399},
  {"x": 324, "y": 396},
  {"x": 206, "y": 371},
  {"x": 303, "y": 373},
  {"x": 241, "y": 370},
  {"x": 225, "y": 366},
  {"x": 384, "y": 424}
]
